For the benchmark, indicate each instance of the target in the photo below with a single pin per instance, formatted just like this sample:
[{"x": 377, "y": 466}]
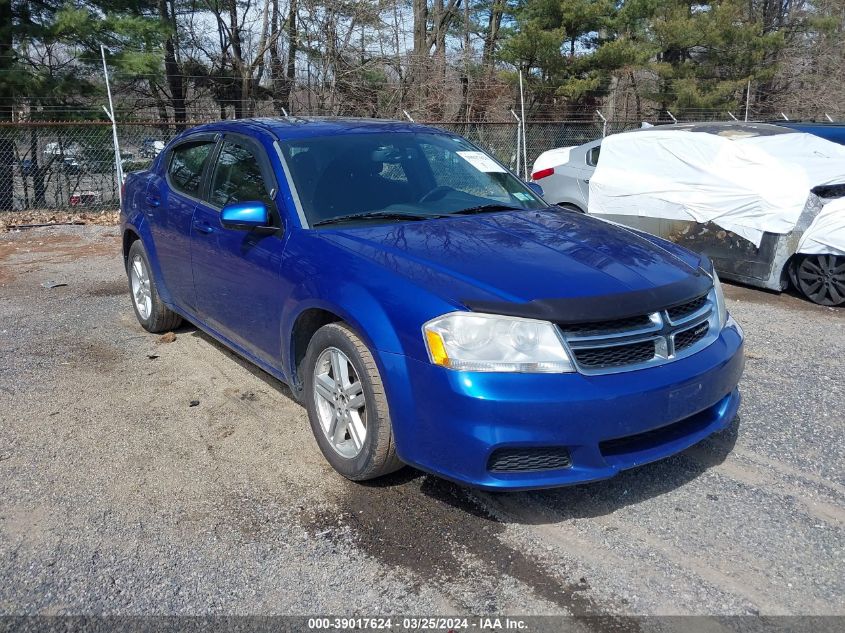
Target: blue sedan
[{"x": 426, "y": 306}]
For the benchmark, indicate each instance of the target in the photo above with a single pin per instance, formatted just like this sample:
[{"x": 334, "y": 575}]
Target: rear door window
[
  {"x": 187, "y": 161},
  {"x": 238, "y": 178}
]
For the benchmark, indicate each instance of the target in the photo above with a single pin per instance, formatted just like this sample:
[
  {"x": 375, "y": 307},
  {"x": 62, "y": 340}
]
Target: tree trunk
[
  {"x": 39, "y": 190},
  {"x": 276, "y": 67},
  {"x": 463, "y": 107},
  {"x": 419, "y": 56},
  {"x": 420, "y": 29},
  {"x": 173, "y": 73},
  {"x": 241, "y": 87},
  {"x": 491, "y": 36},
  {"x": 290, "y": 69}
]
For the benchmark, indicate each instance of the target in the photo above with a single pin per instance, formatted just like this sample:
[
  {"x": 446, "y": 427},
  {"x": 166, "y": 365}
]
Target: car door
[
  {"x": 171, "y": 196},
  {"x": 237, "y": 272}
]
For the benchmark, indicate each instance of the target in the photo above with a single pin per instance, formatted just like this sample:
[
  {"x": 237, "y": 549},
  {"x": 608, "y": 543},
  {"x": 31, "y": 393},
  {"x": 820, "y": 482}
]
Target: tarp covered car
[{"x": 764, "y": 202}]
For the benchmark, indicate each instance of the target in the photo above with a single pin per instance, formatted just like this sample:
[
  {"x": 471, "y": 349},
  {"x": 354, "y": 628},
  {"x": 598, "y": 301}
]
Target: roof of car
[
  {"x": 831, "y": 131},
  {"x": 300, "y": 127},
  {"x": 727, "y": 129}
]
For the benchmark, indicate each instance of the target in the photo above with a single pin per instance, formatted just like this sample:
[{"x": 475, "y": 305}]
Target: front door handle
[
  {"x": 153, "y": 201},
  {"x": 203, "y": 227}
]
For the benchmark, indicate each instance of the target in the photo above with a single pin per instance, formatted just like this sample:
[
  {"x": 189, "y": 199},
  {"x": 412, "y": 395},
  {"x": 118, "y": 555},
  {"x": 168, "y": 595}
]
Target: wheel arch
[
  {"x": 304, "y": 327},
  {"x": 374, "y": 328},
  {"x": 130, "y": 236}
]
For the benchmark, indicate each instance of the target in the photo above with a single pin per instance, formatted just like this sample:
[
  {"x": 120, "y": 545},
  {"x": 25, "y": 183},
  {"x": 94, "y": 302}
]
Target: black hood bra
[{"x": 602, "y": 308}]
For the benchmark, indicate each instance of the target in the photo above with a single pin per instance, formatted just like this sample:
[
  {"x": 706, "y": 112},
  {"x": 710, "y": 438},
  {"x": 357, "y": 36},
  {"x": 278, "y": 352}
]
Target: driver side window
[{"x": 237, "y": 178}]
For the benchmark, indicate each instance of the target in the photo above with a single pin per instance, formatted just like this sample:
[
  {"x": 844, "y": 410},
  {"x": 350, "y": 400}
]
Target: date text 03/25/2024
[{"x": 418, "y": 624}]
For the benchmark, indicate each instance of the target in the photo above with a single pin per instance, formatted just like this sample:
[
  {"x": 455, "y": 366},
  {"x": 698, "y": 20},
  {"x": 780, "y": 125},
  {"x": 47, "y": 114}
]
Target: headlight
[
  {"x": 720, "y": 300},
  {"x": 469, "y": 341}
]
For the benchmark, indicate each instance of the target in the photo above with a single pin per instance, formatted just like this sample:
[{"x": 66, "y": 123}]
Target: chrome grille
[{"x": 642, "y": 341}]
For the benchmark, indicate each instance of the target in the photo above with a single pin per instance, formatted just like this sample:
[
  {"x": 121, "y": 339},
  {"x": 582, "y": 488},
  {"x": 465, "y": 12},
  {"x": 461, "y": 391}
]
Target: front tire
[
  {"x": 151, "y": 312},
  {"x": 347, "y": 406},
  {"x": 821, "y": 278}
]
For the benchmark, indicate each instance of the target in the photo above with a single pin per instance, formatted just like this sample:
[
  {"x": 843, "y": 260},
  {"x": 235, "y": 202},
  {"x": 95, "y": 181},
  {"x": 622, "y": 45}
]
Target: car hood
[{"x": 550, "y": 264}]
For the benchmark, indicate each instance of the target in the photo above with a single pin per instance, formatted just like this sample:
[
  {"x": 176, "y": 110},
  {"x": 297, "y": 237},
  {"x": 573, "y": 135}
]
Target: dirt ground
[{"x": 118, "y": 497}]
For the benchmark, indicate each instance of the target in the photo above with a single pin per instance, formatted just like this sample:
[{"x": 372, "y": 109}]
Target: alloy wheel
[
  {"x": 141, "y": 292},
  {"x": 822, "y": 279},
  {"x": 340, "y": 402}
]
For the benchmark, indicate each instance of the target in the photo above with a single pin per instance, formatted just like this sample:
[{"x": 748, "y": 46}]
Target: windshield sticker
[
  {"x": 482, "y": 162},
  {"x": 522, "y": 196}
]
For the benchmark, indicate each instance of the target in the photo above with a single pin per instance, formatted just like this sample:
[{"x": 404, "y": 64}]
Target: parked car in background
[
  {"x": 564, "y": 174},
  {"x": 57, "y": 149},
  {"x": 831, "y": 131},
  {"x": 71, "y": 165},
  {"x": 150, "y": 147},
  {"x": 426, "y": 307},
  {"x": 85, "y": 198},
  {"x": 745, "y": 194}
]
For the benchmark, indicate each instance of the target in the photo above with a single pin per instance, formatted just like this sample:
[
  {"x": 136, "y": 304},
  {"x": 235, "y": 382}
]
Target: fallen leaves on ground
[
  {"x": 166, "y": 338},
  {"x": 11, "y": 220}
]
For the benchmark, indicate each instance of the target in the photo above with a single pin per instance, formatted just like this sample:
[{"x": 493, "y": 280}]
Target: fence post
[
  {"x": 603, "y": 123},
  {"x": 522, "y": 123},
  {"x": 7, "y": 163},
  {"x": 118, "y": 167},
  {"x": 518, "y": 136}
]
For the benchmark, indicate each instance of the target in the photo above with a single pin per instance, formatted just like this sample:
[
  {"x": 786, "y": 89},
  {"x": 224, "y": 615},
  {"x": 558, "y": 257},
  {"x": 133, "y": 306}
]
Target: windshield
[{"x": 385, "y": 177}]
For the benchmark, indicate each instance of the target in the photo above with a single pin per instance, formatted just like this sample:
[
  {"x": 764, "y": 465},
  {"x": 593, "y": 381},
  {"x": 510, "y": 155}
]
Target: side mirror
[
  {"x": 245, "y": 216},
  {"x": 533, "y": 186}
]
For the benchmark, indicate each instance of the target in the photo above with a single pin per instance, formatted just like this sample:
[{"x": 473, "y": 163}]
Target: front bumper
[{"x": 450, "y": 423}]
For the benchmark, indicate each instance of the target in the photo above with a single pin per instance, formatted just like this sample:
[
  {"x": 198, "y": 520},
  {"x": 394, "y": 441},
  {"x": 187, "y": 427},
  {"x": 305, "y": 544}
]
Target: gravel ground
[{"x": 117, "y": 497}]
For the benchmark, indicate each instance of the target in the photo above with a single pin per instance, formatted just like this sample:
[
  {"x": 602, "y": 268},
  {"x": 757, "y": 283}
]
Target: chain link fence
[{"x": 71, "y": 166}]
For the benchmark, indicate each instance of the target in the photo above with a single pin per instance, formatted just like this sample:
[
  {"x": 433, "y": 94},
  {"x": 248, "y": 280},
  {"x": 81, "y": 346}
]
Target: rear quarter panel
[{"x": 133, "y": 220}]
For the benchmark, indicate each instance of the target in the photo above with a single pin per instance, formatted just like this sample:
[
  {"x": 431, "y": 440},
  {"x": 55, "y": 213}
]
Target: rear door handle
[
  {"x": 153, "y": 201},
  {"x": 203, "y": 227}
]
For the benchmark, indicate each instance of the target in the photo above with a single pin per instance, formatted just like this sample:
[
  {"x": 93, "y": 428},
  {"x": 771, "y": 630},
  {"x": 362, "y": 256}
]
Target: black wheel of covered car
[
  {"x": 821, "y": 278},
  {"x": 151, "y": 312},
  {"x": 570, "y": 207},
  {"x": 347, "y": 406}
]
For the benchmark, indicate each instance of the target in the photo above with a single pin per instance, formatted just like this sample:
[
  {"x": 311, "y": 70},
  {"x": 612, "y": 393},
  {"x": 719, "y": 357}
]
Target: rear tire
[
  {"x": 821, "y": 278},
  {"x": 150, "y": 311},
  {"x": 347, "y": 406}
]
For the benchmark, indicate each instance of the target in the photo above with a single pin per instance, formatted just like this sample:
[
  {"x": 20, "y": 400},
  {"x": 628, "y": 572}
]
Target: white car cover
[
  {"x": 826, "y": 234},
  {"x": 745, "y": 183}
]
